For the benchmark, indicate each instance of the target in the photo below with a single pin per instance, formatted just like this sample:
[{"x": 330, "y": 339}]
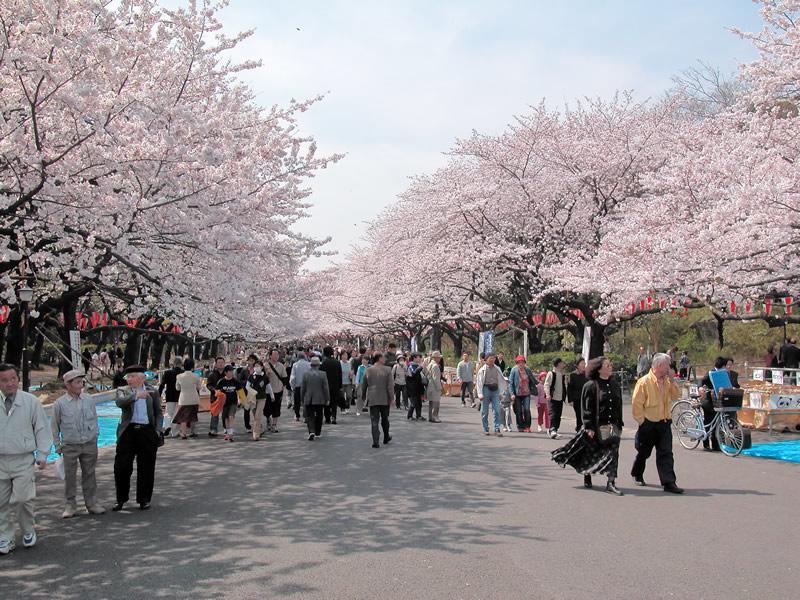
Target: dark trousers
[
  {"x": 658, "y": 435},
  {"x": 247, "y": 419},
  {"x": 314, "y": 414},
  {"x": 400, "y": 395},
  {"x": 139, "y": 442},
  {"x": 330, "y": 409},
  {"x": 466, "y": 388},
  {"x": 612, "y": 466},
  {"x": 708, "y": 416},
  {"x": 297, "y": 403},
  {"x": 554, "y": 408},
  {"x": 268, "y": 404},
  {"x": 521, "y": 413},
  {"x": 213, "y": 425},
  {"x": 578, "y": 415},
  {"x": 414, "y": 404},
  {"x": 379, "y": 414}
]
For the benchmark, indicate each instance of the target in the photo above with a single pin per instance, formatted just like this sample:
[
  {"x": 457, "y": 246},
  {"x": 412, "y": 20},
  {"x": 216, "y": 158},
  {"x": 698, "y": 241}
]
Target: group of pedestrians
[
  {"x": 318, "y": 385},
  {"x": 595, "y": 447}
]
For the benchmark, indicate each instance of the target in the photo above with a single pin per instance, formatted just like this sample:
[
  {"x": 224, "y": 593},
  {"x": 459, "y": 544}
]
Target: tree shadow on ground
[{"x": 223, "y": 512}]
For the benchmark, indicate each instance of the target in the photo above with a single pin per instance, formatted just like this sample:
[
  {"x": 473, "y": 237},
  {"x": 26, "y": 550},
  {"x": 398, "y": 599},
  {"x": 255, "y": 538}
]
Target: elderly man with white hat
[{"x": 75, "y": 431}]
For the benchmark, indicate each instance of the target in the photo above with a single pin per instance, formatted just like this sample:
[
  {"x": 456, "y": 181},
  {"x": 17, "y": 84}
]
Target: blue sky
[{"x": 404, "y": 79}]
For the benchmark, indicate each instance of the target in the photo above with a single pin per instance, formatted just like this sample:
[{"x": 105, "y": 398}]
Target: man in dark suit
[
  {"x": 378, "y": 388},
  {"x": 333, "y": 370},
  {"x": 138, "y": 437},
  {"x": 315, "y": 396}
]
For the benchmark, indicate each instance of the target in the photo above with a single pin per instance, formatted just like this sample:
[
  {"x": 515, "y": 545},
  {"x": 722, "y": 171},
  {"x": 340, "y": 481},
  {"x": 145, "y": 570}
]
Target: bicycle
[
  {"x": 678, "y": 407},
  {"x": 692, "y": 430}
]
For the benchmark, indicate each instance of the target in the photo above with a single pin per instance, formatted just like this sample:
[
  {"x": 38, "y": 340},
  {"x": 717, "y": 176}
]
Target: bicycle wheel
[
  {"x": 688, "y": 421},
  {"x": 678, "y": 407},
  {"x": 730, "y": 436}
]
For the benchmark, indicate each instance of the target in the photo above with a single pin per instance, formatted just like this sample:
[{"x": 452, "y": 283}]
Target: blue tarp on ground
[
  {"x": 788, "y": 451},
  {"x": 107, "y": 420}
]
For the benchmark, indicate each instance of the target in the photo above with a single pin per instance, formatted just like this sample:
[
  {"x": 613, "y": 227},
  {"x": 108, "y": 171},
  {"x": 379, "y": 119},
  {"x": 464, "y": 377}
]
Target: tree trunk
[
  {"x": 133, "y": 347},
  {"x": 36, "y": 355},
  {"x": 14, "y": 337},
  {"x": 720, "y": 331},
  {"x": 597, "y": 341},
  {"x": 214, "y": 349},
  {"x": 436, "y": 338}
]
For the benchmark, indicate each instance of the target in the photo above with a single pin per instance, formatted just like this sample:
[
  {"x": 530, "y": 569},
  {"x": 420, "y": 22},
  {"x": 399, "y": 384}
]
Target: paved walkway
[{"x": 443, "y": 512}]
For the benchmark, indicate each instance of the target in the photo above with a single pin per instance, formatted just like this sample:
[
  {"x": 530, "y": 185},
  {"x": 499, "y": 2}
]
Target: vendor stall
[{"x": 771, "y": 399}]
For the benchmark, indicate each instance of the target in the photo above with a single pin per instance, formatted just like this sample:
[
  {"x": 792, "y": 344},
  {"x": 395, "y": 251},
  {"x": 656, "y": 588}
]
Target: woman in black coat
[{"x": 590, "y": 451}]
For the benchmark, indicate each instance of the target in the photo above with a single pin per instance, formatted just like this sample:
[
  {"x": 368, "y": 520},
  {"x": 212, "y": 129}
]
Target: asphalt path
[{"x": 441, "y": 512}]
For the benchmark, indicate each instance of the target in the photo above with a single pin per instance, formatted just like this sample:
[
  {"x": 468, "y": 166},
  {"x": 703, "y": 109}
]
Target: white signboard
[
  {"x": 755, "y": 399},
  {"x": 758, "y": 374},
  {"x": 779, "y": 401},
  {"x": 777, "y": 377},
  {"x": 75, "y": 346}
]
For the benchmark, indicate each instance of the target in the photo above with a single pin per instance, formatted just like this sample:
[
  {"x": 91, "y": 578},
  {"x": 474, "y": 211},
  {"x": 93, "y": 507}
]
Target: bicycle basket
[{"x": 729, "y": 398}]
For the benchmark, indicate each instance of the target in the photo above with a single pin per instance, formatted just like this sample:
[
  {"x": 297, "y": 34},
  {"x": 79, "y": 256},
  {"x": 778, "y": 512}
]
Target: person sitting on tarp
[{"x": 707, "y": 401}]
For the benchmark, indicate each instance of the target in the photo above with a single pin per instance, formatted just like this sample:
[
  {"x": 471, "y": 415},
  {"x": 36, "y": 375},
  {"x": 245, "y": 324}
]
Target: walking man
[
  {"x": 315, "y": 395},
  {"x": 333, "y": 370},
  {"x": 491, "y": 384},
  {"x": 555, "y": 390},
  {"x": 378, "y": 389},
  {"x": 138, "y": 437},
  {"x": 23, "y": 431},
  {"x": 575, "y": 382},
  {"x": 464, "y": 372},
  {"x": 651, "y": 401},
  {"x": 171, "y": 394},
  {"x": 75, "y": 430},
  {"x": 299, "y": 370}
]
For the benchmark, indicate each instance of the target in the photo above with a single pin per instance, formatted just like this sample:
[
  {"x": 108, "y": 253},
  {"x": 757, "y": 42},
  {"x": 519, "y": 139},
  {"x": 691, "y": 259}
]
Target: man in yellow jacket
[{"x": 652, "y": 399}]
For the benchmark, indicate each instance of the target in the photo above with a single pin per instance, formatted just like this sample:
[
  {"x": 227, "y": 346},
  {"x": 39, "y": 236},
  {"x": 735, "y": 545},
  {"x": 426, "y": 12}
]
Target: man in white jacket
[
  {"x": 490, "y": 386},
  {"x": 23, "y": 431}
]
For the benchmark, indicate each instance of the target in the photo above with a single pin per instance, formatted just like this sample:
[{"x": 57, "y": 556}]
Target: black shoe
[
  {"x": 192, "y": 435},
  {"x": 386, "y": 440},
  {"x": 333, "y": 421},
  {"x": 587, "y": 481},
  {"x": 611, "y": 488},
  {"x": 421, "y": 419},
  {"x": 639, "y": 481},
  {"x": 144, "y": 505},
  {"x": 167, "y": 431},
  {"x": 328, "y": 421},
  {"x": 376, "y": 445},
  {"x": 673, "y": 489},
  {"x": 118, "y": 506},
  {"x": 212, "y": 434}
]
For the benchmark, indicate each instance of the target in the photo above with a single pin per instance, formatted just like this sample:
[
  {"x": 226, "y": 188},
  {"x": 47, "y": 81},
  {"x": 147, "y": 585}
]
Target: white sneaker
[
  {"x": 29, "y": 540},
  {"x": 553, "y": 434},
  {"x": 539, "y": 428},
  {"x": 6, "y": 546},
  {"x": 310, "y": 437},
  {"x": 358, "y": 414},
  {"x": 69, "y": 511}
]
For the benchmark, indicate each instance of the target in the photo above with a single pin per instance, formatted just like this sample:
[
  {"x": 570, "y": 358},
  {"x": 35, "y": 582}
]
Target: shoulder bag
[{"x": 606, "y": 434}]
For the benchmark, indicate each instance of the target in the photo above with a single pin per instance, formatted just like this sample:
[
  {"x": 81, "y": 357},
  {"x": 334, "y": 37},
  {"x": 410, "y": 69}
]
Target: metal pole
[{"x": 26, "y": 368}]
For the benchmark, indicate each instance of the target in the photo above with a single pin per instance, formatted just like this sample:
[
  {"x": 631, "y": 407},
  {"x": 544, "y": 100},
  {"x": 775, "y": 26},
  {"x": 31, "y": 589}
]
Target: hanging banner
[
  {"x": 414, "y": 344},
  {"x": 488, "y": 342},
  {"x": 587, "y": 342},
  {"x": 75, "y": 346}
]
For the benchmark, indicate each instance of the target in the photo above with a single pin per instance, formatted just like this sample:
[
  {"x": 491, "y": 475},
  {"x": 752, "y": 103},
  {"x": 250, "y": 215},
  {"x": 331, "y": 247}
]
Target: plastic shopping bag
[{"x": 58, "y": 468}]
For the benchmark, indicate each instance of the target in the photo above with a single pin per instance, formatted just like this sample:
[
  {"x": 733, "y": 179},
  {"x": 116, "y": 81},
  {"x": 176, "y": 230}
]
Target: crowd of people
[{"x": 318, "y": 386}]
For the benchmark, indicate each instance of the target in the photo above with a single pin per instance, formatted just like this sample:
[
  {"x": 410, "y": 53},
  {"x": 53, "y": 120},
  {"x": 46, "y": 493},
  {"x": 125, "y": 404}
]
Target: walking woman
[
  {"x": 188, "y": 383},
  {"x": 595, "y": 448},
  {"x": 259, "y": 383}
]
